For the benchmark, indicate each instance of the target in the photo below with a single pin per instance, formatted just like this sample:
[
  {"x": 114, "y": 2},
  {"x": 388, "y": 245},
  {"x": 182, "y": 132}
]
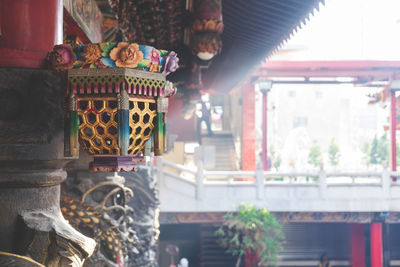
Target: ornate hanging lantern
[
  {"x": 206, "y": 29},
  {"x": 117, "y": 100}
]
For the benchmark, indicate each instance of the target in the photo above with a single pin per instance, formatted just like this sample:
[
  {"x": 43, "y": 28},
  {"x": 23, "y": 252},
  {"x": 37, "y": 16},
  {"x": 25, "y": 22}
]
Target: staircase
[
  {"x": 225, "y": 159},
  {"x": 211, "y": 253}
]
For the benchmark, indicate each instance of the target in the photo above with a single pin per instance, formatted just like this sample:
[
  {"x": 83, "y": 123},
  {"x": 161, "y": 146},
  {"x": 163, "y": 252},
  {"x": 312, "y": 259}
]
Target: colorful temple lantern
[{"x": 117, "y": 100}]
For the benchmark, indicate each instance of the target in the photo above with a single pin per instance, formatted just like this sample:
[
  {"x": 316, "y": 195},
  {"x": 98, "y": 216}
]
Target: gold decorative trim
[{"x": 117, "y": 72}]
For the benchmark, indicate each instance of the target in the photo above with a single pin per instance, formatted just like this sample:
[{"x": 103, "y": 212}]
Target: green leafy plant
[
  {"x": 251, "y": 230},
  {"x": 334, "y": 153},
  {"x": 373, "y": 153},
  {"x": 365, "y": 149},
  {"x": 376, "y": 151},
  {"x": 315, "y": 156},
  {"x": 383, "y": 149},
  {"x": 275, "y": 157}
]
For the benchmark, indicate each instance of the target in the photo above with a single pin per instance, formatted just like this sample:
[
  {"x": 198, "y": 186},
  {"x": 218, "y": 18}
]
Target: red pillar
[
  {"x": 248, "y": 127},
  {"x": 393, "y": 129},
  {"x": 376, "y": 245},
  {"x": 357, "y": 245},
  {"x": 264, "y": 132},
  {"x": 29, "y": 29},
  {"x": 250, "y": 259},
  {"x": 247, "y": 259}
]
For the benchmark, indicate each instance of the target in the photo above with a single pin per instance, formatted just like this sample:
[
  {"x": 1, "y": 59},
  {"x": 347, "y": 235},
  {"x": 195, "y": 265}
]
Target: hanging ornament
[
  {"x": 206, "y": 29},
  {"x": 118, "y": 95}
]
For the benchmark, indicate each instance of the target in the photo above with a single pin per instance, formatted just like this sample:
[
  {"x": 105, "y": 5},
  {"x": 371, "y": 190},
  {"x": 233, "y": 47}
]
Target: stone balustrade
[{"x": 197, "y": 190}]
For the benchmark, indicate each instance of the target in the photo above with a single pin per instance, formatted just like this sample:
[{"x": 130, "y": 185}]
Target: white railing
[{"x": 199, "y": 177}]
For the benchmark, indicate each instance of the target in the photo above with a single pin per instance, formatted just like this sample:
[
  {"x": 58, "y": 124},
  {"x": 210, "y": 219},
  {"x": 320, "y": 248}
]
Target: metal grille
[
  {"x": 142, "y": 113},
  {"x": 98, "y": 129}
]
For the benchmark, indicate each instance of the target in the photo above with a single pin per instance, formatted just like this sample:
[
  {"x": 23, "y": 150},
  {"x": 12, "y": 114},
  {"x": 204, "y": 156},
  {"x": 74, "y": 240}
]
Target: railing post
[
  {"x": 385, "y": 182},
  {"x": 260, "y": 183},
  {"x": 322, "y": 184},
  {"x": 200, "y": 181}
]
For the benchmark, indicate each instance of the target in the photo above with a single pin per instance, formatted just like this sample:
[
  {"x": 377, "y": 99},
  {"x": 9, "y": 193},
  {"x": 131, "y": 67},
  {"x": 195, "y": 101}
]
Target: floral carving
[
  {"x": 126, "y": 55},
  {"x": 61, "y": 58},
  {"x": 112, "y": 55},
  {"x": 92, "y": 52},
  {"x": 208, "y": 25},
  {"x": 171, "y": 63}
]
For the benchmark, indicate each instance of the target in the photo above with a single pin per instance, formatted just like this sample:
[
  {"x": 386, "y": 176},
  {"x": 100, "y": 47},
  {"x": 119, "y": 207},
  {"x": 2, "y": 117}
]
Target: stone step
[{"x": 224, "y": 151}]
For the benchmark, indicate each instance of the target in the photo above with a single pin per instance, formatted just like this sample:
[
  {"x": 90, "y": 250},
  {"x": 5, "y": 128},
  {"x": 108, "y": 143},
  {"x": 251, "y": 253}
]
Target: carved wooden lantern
[
  {"x": 206, "y": 29},
  {"x": 117, "y": 100}
]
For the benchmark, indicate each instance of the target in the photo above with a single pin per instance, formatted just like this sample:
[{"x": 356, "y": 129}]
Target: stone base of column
[
  {"x": 31, "y": 222},
  {"x": 31, "y": 170}
]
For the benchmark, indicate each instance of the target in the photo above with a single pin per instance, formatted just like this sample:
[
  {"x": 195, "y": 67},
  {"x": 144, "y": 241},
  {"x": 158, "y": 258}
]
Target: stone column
[
  {"x": 145, "y": 204},
  {"x": 31, "y": 170}
]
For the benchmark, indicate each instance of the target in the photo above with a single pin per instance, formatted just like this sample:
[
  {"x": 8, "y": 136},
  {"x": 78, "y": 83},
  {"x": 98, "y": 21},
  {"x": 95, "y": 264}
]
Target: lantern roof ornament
[{"x": 113, "y": 55}]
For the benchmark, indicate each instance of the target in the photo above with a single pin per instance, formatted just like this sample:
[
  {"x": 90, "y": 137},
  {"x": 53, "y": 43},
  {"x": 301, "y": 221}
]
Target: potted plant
[{"x": 252, "y": 232}]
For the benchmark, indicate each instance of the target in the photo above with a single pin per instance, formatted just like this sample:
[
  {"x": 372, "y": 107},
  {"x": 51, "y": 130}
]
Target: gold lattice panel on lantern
[
  {"x": 142, "y": 115},
  {"x": 98, "y": 125}
]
